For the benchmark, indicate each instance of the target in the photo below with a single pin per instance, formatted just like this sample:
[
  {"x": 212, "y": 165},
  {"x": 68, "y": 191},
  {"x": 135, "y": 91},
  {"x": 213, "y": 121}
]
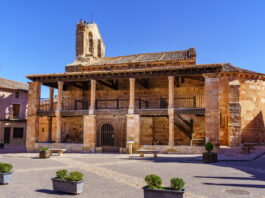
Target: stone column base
[
  {"x": 133, "y": 130},
  {"x": 32, "y": 131},
  {"x": 89, "y": 132}
]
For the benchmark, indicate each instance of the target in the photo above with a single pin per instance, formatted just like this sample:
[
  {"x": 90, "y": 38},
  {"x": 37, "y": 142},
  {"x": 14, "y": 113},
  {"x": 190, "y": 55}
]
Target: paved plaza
[{"x": 122, "y": 176}]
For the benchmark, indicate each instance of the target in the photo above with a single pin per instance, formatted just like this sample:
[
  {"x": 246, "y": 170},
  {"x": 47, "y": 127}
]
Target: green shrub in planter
[
  {"x": 153, "y": 181},
  {"x": 154, "y": 188},
  {"x": 61, "y": 174},
  {"x": 68, "y": 183},
  {"x": 209, "y": 157},
  {"x": 5, "y": 168},
  {"x": 45, "y": 149},
  {"x": 209, "y": 146},
  {"x": 75, "y": 176},
  {"x": 177, "y": 183}
]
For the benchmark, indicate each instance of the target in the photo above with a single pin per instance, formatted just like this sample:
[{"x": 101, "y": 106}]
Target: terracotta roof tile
[{"x": 10, "y": 84}]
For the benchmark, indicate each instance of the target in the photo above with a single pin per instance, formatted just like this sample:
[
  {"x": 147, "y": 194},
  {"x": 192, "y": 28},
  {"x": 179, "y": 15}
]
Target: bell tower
[{"x": 89, "y": 43}]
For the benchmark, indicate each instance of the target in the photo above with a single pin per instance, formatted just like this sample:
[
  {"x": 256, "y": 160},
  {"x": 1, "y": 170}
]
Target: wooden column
[
  {"x": 212, "y": 111},
  {"x": 51, "y": 98},
  {"x": 60, "y": 96},
  {"x": 171, "y": 85},
  {"x": 92, "y": 97},
  {"x": 171, "y": 110},
  {"x": 58, "y": 112},
  {"x": 132, "y": 96}
]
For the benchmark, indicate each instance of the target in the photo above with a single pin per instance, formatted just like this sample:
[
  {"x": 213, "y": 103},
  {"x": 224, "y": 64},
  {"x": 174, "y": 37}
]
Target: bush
[
  {"x": 209, "y": 146},
  {"x": 5, "y": 168},
  {"x": 45, "y": 149},
  {"x": 153, "y": 181},
  {"x": 177, "y": 183},
  {"x": 75, "y": 176},
  {"x": 61, "y": 174}
]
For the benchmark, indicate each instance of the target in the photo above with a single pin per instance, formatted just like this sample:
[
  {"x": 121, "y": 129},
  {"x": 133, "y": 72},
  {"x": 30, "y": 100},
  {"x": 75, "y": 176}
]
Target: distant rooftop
[{"x": 14, "y": 85}]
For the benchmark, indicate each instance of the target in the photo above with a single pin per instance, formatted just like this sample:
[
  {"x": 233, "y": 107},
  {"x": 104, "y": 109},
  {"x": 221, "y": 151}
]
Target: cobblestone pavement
[{"x": 121, "y": 176}]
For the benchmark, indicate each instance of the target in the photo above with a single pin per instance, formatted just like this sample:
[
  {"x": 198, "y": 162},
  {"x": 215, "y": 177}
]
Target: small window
[
  {"x": 17, "y": 94},
  {"x": 16, "y": 108},
  {"x": 99, "y": 48},
  {"x": 18, "y": 132},
  {"x": 91, "y": 44}
]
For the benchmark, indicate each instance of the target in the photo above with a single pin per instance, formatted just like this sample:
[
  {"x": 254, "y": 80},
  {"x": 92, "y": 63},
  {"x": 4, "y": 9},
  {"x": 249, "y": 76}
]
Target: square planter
[
  {"x": 67, "y": 186},
  {"x": 5, "y": 178},
  {"x": 45, "y": 154},
  {"x": 162, "y": 193},
  {"x": 209, "y": 157}
]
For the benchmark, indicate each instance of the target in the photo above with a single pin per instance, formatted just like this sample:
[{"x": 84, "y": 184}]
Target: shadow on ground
[
  {"x": 51, "y": 192},
  {"x": 254, "y": 167}
]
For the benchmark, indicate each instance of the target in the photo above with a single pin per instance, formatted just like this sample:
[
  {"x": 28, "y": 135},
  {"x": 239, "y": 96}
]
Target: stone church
[{"x": 161, "y": 100}]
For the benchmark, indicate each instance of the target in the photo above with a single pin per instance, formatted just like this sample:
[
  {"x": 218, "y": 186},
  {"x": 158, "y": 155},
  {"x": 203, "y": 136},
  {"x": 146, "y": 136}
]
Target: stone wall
[
  {"x": 252, "y": 100},
  {"x": 146, "y": 130},
  {"x": 224, "y": 113},
  {"x": 7, "y": 99},
  {"x": 72, "y": 130}
]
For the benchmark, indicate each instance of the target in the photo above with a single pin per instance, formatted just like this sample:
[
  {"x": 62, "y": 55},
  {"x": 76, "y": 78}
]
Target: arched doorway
[
  {"x": 107, "y": 135},
  {"x": 106, "y": 139}
]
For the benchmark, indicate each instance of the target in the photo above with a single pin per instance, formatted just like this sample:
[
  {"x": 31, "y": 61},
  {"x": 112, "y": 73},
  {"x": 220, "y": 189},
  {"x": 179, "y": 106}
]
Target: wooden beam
[
  {"x": 143, "y": 82},
  {"x": 113, "y": 84}
]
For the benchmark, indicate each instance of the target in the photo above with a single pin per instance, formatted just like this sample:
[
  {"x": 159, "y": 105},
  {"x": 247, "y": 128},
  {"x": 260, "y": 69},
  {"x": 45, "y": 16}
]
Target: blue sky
[{"x": 38, "y": 36}]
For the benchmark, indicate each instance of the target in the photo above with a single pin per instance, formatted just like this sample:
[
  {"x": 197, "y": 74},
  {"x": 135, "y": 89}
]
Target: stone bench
[
  {"x": 246, "y": 147},
  {"x": 250, "y": 145},
  {"x": 245, "y": 150},
  {"x": 143, "y": 151},
  {"x": 59, "y": 151}
]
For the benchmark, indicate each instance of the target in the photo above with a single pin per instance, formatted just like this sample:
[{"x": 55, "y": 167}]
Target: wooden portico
[
  {"x": 173, "y": 107},
  {"x": 159, "y": 99}
]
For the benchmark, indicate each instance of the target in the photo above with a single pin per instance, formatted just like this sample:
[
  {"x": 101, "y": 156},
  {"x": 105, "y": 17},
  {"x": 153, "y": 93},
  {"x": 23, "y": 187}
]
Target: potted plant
[
  {"x": 5, "y": 173},
  {"x": 2, "y": 145},
  {"x": 68, "y": 183},
  {"x": 154, "y": 188},
  {"x": 209, "y": 156},
  {"x": 45, "y": 153}
]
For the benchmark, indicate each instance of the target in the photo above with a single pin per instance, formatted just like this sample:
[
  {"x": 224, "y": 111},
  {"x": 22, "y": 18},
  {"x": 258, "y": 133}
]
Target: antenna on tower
[{"x": 92, "y": 18}]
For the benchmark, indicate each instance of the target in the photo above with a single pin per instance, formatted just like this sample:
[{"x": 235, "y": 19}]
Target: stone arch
[{"x": 99, "y": 131}]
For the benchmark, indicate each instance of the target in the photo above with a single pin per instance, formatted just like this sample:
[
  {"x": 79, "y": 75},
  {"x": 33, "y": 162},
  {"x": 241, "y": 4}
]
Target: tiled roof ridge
[
  {"x": 24, "y": 86},
  {"x": 149, "y": 53}
]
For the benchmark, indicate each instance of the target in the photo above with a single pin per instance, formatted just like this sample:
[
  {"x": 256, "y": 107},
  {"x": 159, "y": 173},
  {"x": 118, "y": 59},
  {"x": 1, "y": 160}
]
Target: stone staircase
[{"x": 184, "y": 125}]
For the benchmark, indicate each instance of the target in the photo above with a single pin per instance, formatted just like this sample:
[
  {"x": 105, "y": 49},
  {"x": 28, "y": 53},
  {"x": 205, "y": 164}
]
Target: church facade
[{"x": 158, "y": 100}]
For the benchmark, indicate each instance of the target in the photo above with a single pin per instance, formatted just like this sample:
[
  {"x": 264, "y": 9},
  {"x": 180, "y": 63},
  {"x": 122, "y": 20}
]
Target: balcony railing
[{"x": 143, "y": 102}]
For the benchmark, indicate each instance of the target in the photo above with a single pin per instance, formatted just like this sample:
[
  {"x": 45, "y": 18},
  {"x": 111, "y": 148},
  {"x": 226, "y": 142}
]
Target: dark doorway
[
  {"x": 107, "y": 135},
  {"x": 7, "y": 131},
  {"x": 107, "y": 138}
]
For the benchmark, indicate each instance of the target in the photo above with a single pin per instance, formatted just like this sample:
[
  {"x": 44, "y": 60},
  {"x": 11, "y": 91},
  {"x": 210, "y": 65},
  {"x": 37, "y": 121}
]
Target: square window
[
  {"x": 17, "y": 94},
  {"x": 18, "y": 132}
]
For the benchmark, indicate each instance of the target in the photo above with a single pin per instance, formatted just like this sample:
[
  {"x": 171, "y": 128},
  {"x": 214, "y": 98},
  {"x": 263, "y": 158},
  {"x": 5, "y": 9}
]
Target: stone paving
[{"x": 121, "y": 176}]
